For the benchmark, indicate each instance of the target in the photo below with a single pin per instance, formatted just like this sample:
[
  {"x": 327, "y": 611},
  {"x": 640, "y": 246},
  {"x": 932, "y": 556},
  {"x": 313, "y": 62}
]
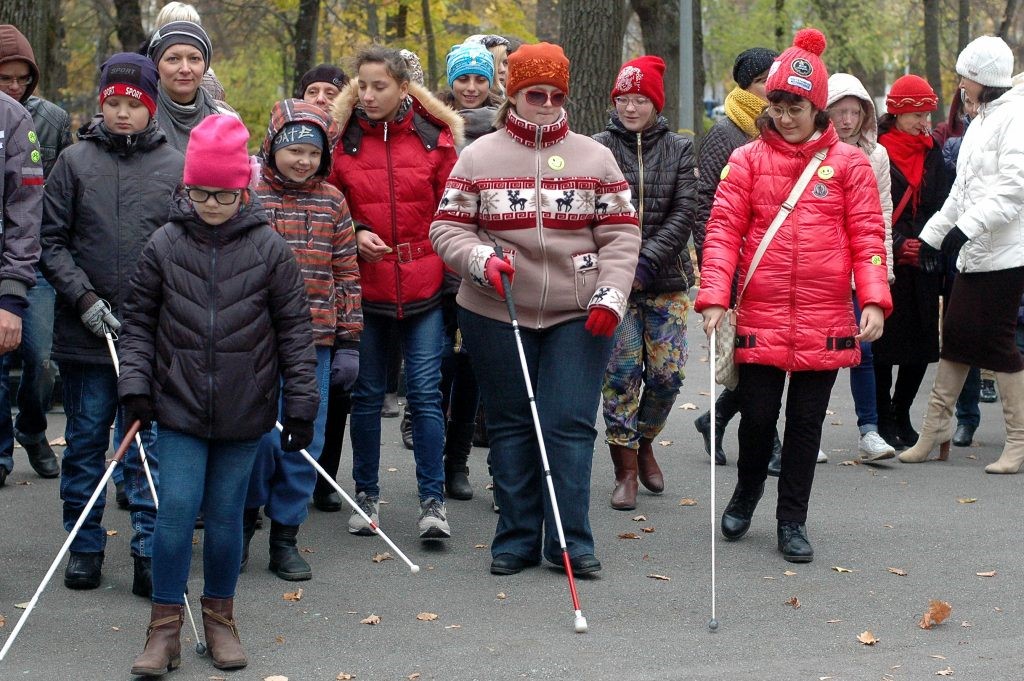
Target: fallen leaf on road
[
  {"x": 480, "y": 546},
  {"x": 413, "y": 676},
  {"x": 111, "y": 533},
  {"x": 501, "y": 596},
  {"x": 972, "y": 456},
  {"x": 308, "y": 549},
  {"x": 687, "y": 502},
  {"x": 292, "y": 595},
  {"x": 111, "y": 628},
  {"x": 426, "y": 616},
  {"x": 937, "y": 612},
  {"x": 794, "y": 601},
  {"x": 344, "y": 676},
  {"x": 966, "y": 624},
  {"x": 704, "y": 393},
  {"x": 898, "y": 572},
  {"x": 789, "y": 573},
  {"x": 24, "y": 606},
  {"x": 833, "y": 621},
  {"x": 867, "y": 638},
  {"x": 24, "y": 483},
  {"x": 647, "y": 530},
  {"x": 381, "y": 557},
  {"x": 888, "y": 527},
  {"x": 990, "y": 573},
  {"x": 3, "y": 621},
  {"x": 837, "y": 422},
  {"x": 665, "y": 443},
  {"x": 453, "y": 626},
  {"x": 372, "y": 619},
  {"x": 279, "y": 639},
  {"x": 218, "y": 678},
  {"x": 392, "y": 470},
  {"x": 276, "y": 677},
  {"x": 639, "y": 518},
  {"x": 841, "y": 569},
  {"x": 662, "y": 578},
  {"x": 849, "y": 462},
  {"x": 965, "y": 500},
  {"x": 829, "y": 412},
  {"x": 937, "y": 657},
  {"x": 629, "y": 535},
  {"x": 948, "y": 671},
  {"x": 689, "y": 406}
]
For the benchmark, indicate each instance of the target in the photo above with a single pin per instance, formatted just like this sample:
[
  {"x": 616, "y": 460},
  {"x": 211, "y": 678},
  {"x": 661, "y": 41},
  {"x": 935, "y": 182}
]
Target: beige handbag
[{"x": 726, "y": 373}]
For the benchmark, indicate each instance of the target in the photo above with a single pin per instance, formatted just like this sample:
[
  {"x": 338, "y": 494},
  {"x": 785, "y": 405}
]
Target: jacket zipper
[
  {"x": 394, "y": 226},
  {"x": 640, "y": 181},
  {"x": 210, "y": 342},
  {"x": 540, "y": 231}
]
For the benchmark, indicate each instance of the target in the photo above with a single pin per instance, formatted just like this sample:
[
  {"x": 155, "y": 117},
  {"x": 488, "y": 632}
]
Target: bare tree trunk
[
  {"x": 372, "y": 21},
  {"x": 781, "y": 29},
  {"x": 1008, "y": 15},
  {"x": 40, "y": 21},
  {"x": 129, "y": 24},
  {"x": 592, "y": 38},
  {"x": 428, "y": 28},
  {"x": 659, "y": 21},
  {"x": 933, "y": 65},
  {"x": 396, "y": 26},
  {"x": 305, "y": 32},
  {"x": 698, "y": 74},
  {"x": 963, "y": 22},
  {"x": 547, "y": 23}
]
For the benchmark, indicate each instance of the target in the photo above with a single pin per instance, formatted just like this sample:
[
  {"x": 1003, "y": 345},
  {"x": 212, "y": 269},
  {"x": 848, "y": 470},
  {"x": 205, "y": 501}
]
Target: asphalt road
[{"x": 863, "y": 519}]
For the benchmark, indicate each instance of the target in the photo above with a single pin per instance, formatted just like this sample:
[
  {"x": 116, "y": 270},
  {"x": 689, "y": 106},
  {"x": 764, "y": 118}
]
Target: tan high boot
[
  {"x": 626, "y": 486},
  {"x": 222, "y": 633},
  {"x": 163, "y": 642},
  {"x": 938, "y": 417},
  {"x": 650, "y": 471},
  {"x": 1011, "y": 394}
]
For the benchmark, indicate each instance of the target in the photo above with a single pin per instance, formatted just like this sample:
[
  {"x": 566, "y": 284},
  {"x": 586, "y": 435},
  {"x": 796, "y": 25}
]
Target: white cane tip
[
  {"x": 415, "y": 569},
  {"x": 713, "y": 625},
  {"x": 580, "y": 625}
]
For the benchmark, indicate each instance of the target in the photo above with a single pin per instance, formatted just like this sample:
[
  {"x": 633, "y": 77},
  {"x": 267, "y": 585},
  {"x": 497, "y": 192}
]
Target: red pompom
[{"x": 810, "y": 39}]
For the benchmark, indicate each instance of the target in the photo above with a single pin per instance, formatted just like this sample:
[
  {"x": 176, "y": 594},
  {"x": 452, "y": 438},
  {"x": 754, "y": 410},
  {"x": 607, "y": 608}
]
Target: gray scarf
[{"x": 177, "y": 120}]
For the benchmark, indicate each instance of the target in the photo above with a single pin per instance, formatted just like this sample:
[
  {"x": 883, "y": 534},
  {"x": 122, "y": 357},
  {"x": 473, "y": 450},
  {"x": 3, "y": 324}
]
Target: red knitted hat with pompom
[{"x": 799, "y": 69}]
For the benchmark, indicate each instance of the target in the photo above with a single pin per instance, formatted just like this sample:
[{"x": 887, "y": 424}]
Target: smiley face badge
[{"x": 826, "y": 172}]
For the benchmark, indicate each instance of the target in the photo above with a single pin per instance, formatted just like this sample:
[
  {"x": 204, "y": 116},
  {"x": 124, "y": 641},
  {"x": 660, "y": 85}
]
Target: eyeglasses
[
  {"x": 542, "y": 97},
  {"x": 224, "y": 198},
  {"x": 636, "y": 102},
  {"x": 23, "y": 81},
  {"x": 776, "y": 111}
]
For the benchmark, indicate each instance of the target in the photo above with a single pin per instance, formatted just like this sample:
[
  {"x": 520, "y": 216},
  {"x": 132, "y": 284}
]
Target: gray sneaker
[
  {"x": 874, "y": 448},
  {"x": 433, "y": 522},
  {"x": 371, "y": 507}
]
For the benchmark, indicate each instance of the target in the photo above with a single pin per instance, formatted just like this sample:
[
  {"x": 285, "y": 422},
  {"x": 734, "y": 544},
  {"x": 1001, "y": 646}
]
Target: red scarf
[{"x": 907, "y": 152}]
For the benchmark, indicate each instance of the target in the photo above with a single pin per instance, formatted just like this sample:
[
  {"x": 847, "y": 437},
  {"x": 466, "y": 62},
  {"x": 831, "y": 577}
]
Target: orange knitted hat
[{"x": 540, "y": 64}]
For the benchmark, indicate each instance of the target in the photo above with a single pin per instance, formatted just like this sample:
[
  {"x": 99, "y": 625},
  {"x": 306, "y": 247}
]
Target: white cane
[{"x": 713, "y": 622}]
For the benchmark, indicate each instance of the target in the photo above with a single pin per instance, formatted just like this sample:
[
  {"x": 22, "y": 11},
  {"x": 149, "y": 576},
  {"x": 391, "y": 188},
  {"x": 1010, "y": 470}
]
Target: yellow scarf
[{"x": 743, "y": 108}]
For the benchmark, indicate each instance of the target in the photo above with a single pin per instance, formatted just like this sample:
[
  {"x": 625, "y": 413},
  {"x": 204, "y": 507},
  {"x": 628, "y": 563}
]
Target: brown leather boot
[
  {"x": 163, "y": 642},
  {"x": 222, "y": 633},
  {"x": 650, "y": 472},
  {"x": 624, "y": 495}
]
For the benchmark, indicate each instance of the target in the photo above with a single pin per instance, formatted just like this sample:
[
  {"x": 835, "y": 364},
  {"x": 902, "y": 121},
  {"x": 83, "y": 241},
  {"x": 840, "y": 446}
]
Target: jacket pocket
[{"x": 584, "y": 266}]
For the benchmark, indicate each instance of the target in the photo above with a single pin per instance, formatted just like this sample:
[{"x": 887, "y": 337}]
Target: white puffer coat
[{"x": 987, "y": 199}]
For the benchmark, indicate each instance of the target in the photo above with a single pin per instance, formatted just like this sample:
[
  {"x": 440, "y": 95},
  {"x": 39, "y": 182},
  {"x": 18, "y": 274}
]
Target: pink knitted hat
[
  {"x": 799, "y": 69},
  {"x": 216, "y": 155}
]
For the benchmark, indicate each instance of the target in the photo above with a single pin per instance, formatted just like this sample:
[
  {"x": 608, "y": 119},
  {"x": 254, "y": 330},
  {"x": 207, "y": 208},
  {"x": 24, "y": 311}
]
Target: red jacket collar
[{"x": 525, "y": 132}]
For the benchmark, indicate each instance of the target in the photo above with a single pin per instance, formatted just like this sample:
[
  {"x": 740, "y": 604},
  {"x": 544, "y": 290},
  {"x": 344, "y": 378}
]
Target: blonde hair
[{"x": 177, "y": 11}]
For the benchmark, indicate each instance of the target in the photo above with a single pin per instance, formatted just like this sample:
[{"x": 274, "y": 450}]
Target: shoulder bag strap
[{"x": 787, "y": 207}]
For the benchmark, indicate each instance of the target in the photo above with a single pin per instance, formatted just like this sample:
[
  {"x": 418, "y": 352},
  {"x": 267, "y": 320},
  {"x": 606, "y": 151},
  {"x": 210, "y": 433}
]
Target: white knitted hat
[{"x": 987, "y": 61}]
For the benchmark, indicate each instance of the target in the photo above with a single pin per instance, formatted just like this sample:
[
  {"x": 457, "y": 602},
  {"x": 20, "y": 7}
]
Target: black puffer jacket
[
  {"x": 217, "y": 317},
  {"x": 104, "y": 198},
  {"x": 723, "y": 139},
  {"x": 659, "y": 166},
  {"x": 53, "y": 127}
]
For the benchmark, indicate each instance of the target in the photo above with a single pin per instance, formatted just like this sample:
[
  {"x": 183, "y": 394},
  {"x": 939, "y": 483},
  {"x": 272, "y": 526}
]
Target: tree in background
[{"x": 592, "y": 39}]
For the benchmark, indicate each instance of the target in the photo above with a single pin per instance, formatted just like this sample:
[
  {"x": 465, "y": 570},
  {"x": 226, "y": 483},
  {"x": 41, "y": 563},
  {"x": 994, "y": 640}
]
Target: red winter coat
[
  {"x": 797, "y": 313},
  {"x": 392, "y": 175}
]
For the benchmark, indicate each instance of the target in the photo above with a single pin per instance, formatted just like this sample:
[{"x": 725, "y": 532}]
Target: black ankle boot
[
  {"x": 904, "y": 428},
  {"x": 142, "y": 584},
  {"x": 887, "y": 429},
  {"x": 249, "y": 517},
  {"x": 285, "y": 560},
  {"x": 793, "y": 542},
  {"x": 775, "y": 463},
  {"x": 458, "y": 443},
  {"x": 737, "y": 516},
  {"x": 406, "y": 428},
  {"x": 83, "y": 570}
]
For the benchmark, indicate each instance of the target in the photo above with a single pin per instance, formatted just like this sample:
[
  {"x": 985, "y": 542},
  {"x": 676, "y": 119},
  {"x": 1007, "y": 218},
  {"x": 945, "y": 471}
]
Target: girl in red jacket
[
  {"x": 394, "y": 156},
  {"x": 796, "y": 315}
]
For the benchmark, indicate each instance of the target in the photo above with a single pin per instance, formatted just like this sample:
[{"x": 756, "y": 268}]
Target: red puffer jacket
[
  {"x": 392, "y": 175},
  {"x": 797, "y": 314}
]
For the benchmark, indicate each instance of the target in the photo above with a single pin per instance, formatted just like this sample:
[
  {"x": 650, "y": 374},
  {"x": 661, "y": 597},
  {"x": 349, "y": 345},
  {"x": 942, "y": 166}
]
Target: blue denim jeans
[
  {"x": 35, "y": 392},
  {"x": 567, "y": 367},
  {"x": 862, "y": 384},
  {"x": 212, "y": 475},
  {"x": 422, "y": 344},
  {"x": 283, "y": 481},
  {"x": 90, "y": 404},
  {"x": 968, "y": 410}
]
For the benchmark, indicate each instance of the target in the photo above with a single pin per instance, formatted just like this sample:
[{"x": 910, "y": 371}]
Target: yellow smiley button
[
  {"x": 556, "y": 162},
  {"x": 826, "y": 172},
  {"x": 876, "y": 260},
  {"x": 725, "y": 172}
]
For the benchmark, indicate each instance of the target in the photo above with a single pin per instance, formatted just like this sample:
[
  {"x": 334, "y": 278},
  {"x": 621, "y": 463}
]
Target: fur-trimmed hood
[{"x": 425, "y": 105}]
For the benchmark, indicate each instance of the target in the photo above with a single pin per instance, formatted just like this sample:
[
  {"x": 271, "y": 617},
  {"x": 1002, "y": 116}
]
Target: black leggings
[
  {"x": 760, "y": 392},
  {"x": 338, "y": 404},
  {"x": 908, "y": 382}
]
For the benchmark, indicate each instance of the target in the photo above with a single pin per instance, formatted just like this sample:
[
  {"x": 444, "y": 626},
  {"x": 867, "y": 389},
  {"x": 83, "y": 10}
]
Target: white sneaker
[
  {"x": 822, "y": 456},
  {"x": 433, "y": 522},
  {"x": 371, "y": 507},
  {"x": 874, "y": 448}
]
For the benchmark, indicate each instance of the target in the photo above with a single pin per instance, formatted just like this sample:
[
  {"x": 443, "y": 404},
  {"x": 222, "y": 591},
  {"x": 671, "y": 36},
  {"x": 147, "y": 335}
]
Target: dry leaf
[
  {"x": 841, "y": 569},
  {"x": 647, "y": 530},
  {"x": 665, "y": 443},
  {"x": 704, "y": 393},
  {"x": 453, "y": 626},
  {"x": 948, "y": 671},
  {"x": 392, "y": 469},
  {"x": 833, "y": 621},
  {"x": 629, "y": 535},
  {"x": 381, "y": 557},
  {"x": 888, "y": 527},
  {"x": 372, "y": 619},
  {"x": 111, "y": 533},
  {"x": 789, "y": 573},
  {"x": 426, "y": 616},
  {"x": 24, "y": 483},
  {"x": 501, "y": 596},
  {"x": 112, "y": 628},
  {"x": 937, "y": 657},
  {"x": 279, "y": 639},
  {"x": 480, "y": 546},
  {"x": 276, "y": 677},
  {"x": 218, "y": 678},
  {"x": 867, "y": 638},
  {"x": 308, "y": 549},
  {"x": 687, "y": 502},
  {"x": 58, "y": 442},
  {"x": 938, "y": 611},
  {"x": 794, "y": 601},
  {"x": 965, "y": 500},
  {"x": 689, "y": 406},
  {"x": 3, "y": 621},
  {"x": 849, "y": 462},
  {"x": 990, "y": 573},
  {"x": 22, "y": 606},
  {"x": 898, "y": 572},
  {"x": 639, "y": 518},
  {"x": 292, "y": 595},
  {"x": 344, "y": 676},
  {"x": 972, "y": 456},
  {"x": 966, "y": 624},
  {"x": 662, "y": 578},
  {"x": 413, "y": 676},
  {"x": 195, "y": 539}
]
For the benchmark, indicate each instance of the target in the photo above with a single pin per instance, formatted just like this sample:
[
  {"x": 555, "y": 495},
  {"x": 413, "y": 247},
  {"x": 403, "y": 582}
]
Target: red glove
[
  {"x": 494, "y": 268},
  {"x": 909, "y": 253},
  {"x": 601, "y": 321}
]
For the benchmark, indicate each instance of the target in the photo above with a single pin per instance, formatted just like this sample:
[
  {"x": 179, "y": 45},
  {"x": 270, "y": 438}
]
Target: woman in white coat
[{"x": 983, "y": 222}]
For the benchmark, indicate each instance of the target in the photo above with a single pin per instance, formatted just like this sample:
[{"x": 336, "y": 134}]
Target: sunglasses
[{"x": 542, "y": 97}]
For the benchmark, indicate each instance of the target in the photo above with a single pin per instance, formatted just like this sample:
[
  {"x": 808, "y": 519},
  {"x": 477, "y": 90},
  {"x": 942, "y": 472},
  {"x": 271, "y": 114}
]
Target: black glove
[
  {"x": 138, "y": 408},
  {"x": 929, "y": 259},
  {"x": 96, "y": 314},
  {"x": 297, "y": 434},
  {"x": 344, "y": 368},
  {"x": 953, "y": 242}
]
